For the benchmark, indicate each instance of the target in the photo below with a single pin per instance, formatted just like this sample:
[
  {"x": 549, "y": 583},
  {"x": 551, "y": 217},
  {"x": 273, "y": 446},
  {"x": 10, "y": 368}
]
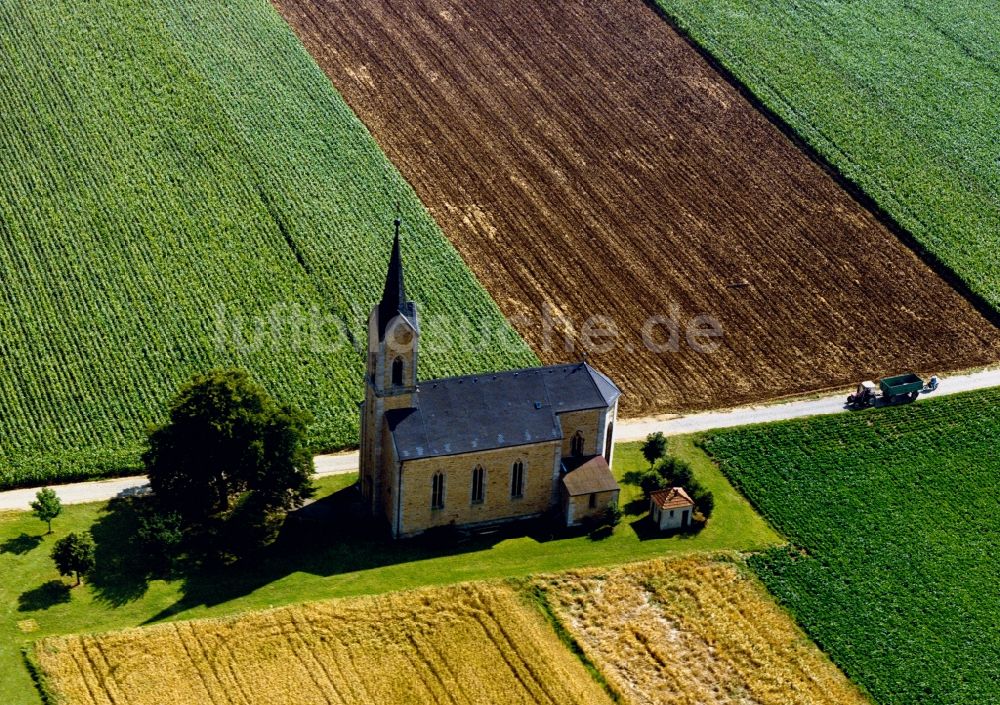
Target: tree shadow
[
  {"x": 20, "y": 544},
  {"x": 639, "y": 505},
  {"x": 53, "y": 592},
  {"x": 121, "y": 573}
]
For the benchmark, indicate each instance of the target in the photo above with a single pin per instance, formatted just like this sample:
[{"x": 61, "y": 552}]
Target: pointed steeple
[{"x": 394, "y": 294}]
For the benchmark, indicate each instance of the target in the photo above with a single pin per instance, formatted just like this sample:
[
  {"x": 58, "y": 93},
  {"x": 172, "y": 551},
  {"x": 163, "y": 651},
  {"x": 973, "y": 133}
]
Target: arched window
[
  {"x": 437, "y": 491},
  {"x": 517, "y": 479},
  {"x": 478, "y": 484},
  {"x": 577, "y": 443},
  {"x": 610, "y": 441},
  {"x": 397, "y": 372}
]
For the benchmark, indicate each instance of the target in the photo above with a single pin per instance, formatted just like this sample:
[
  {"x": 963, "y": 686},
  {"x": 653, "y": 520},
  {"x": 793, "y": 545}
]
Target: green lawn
[
  {"x": 901, "y": 97},
  {"x": 894, "y": 520},
  {"x": 181, "y": 187},
  {"x": 309, "y": 568}
]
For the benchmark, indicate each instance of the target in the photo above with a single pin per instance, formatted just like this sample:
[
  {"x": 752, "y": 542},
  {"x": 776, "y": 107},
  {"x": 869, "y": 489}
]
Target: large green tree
[{"x": 227, "y": 443}]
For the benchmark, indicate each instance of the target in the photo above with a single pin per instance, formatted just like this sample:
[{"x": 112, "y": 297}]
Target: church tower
[{"x": 391, "y": 371}]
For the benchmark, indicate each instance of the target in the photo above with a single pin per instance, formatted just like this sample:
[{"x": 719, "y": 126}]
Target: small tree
[
  {"x": 74, "y": 555},
  {"x": 46, "y": 506},
  {"x": 654, "y": 448}
]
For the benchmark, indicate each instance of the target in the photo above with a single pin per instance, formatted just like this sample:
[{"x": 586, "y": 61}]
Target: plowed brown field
[{"x": 584, "y": 159}]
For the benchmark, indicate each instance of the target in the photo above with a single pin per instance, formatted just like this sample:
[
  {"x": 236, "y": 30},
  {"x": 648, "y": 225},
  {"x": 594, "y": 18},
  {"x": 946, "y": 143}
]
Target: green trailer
[{"x": 900, "y": 387}]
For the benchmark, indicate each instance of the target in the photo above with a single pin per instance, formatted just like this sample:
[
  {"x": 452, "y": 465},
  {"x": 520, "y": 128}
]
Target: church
[{"x": 482, "y": 449}]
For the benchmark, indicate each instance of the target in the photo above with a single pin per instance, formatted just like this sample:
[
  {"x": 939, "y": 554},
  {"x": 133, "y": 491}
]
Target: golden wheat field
[
  {"x": 458, "y": 645},
  {"x": 694, "y": 632}
]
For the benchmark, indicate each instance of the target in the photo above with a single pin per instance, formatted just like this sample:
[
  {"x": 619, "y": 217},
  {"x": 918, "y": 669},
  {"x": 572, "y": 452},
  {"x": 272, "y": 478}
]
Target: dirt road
[{"x": 628, "y": 430}]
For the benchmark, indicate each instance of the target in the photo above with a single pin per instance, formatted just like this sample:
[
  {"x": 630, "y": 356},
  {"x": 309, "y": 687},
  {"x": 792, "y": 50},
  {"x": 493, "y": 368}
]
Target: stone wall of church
[
  {"x": 541, "y": 472},
  {"x": 589, "y": 423}
]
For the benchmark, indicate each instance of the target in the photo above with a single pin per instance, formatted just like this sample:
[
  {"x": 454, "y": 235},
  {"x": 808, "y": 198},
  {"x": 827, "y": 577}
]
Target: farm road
[{"x": 626, "y": 430}]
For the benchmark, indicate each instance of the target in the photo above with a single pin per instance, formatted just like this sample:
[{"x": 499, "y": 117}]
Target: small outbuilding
[
  {"x": 588, "y": 489},
  {"x": 671, "y": 508}
]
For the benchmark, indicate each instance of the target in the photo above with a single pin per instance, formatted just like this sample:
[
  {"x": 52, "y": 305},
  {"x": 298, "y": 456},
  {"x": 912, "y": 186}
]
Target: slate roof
[
  {"x": 671, "y": 498},
  {"x": 498, "y": 410},
  {"x": 592, "y": 476}
]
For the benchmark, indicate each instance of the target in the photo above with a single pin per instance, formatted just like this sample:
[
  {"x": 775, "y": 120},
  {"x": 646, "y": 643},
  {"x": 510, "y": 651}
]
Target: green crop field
[
  {"x": 181, "y": 187},
  {"x": 894, "y": 523},
  {"x": 900, "y": 97}
]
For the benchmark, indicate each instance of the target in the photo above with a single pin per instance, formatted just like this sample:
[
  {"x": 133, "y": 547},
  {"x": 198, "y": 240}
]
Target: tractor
[{"x": 893, "y": 389}]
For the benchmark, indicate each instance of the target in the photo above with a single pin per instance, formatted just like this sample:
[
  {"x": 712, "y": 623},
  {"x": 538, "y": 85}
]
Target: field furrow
[{"x": 422, "y": 647}]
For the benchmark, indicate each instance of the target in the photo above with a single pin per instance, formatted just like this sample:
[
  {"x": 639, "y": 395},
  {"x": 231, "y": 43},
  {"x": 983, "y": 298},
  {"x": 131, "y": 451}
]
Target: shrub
[
  {"x": 602, "y": 524},
  {"x": 703, "y": 498},
  {"x": 651, "y": 481},
  {"x": 613, "y": 515}
]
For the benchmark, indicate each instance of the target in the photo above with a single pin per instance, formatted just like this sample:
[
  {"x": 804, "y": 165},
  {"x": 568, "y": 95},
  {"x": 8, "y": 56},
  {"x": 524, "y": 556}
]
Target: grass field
[
  {"x": 464, "y": 645},
  {"x": 693, "y": 631},
  {"x": 899, "y": 97},
  {"x": 586, "y": 161},
  {"x": 320, "y": 564},
  {"x": 181, "y": 187},
  {"x": 895, "y": 525}
]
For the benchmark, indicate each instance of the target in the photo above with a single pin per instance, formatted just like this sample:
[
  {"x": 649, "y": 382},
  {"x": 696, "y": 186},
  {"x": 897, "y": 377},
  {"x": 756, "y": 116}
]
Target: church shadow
[{"x": 331, "y": 536}]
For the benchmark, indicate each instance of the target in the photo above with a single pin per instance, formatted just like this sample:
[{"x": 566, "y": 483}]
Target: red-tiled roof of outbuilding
[{"x": 671, "y": 498}]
